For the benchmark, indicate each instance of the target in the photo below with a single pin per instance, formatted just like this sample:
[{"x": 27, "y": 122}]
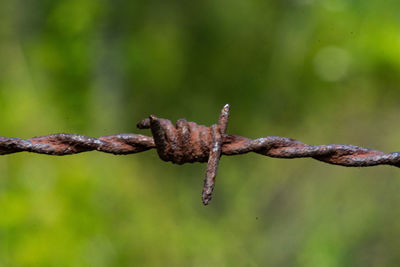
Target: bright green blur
[{"x": 318, "y": 71}]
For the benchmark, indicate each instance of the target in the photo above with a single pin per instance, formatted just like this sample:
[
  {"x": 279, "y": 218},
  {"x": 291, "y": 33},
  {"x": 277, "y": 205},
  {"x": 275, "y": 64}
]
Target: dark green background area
[{"x": 318, "y": 71}]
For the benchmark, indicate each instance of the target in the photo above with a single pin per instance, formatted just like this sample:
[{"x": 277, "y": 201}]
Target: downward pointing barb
[
  {"x": 189, "y": 142},
  {"x": 215, "y": 154}
]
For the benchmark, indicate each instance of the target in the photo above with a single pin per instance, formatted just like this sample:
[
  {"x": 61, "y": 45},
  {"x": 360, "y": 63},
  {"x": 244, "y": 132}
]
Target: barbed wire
[{"x": 188, "y": 142}]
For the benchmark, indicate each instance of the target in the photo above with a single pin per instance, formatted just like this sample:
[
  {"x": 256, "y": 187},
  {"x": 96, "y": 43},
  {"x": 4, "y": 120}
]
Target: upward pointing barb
[{"x": 188, "y": 142}]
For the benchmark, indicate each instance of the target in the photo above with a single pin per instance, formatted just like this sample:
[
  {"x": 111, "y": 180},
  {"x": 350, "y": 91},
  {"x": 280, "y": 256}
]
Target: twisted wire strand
[
  {"x": 271, "y": 146},
  {"x": 283, "y": 147},
  {"x": 67, "y": 144},
  {"x": 188, "y": 142}
]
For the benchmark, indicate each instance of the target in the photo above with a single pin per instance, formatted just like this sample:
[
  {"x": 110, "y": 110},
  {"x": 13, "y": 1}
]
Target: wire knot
[{"x": 188, "y": 142}]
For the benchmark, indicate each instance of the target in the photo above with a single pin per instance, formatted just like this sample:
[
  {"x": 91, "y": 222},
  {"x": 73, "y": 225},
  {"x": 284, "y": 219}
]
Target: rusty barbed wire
[{"x": 188, "y": 142}]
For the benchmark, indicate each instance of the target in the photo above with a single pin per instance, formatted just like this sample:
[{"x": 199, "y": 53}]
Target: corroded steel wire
[
  {"x": 272, "y": 146},
  {"x": 189, "y": 142}
]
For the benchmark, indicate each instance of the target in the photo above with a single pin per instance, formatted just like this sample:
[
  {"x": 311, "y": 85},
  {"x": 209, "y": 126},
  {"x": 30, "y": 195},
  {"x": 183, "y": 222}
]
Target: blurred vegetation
[{"x": 318, "y": 71}]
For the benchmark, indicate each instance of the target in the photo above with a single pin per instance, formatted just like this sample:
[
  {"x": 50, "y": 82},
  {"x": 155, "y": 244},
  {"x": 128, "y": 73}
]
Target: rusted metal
[
  {"x": 215, "y": 154},
  {"x": 188, "y": 142}
]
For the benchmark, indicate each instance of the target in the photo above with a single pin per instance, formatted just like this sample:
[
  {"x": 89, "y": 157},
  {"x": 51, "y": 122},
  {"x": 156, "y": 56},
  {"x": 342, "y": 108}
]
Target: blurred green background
[{"x": 318, "y": 71}]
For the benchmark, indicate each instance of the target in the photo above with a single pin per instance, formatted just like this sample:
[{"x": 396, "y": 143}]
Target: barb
[{"x": 189, "y": 142}]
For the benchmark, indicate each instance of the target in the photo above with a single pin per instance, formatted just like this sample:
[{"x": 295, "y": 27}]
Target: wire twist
[{"x": 188, "y": 142}]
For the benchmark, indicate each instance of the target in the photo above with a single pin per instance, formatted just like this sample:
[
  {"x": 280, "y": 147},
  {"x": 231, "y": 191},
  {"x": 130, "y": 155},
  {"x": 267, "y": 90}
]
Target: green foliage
[{"x": 318, "y": 71}]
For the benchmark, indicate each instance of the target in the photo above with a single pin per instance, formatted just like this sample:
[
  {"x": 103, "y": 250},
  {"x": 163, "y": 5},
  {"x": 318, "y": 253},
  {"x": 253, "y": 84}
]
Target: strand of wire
[
  {"x": 188, "y": 142},
  {"x": 272, "y": 146}
]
